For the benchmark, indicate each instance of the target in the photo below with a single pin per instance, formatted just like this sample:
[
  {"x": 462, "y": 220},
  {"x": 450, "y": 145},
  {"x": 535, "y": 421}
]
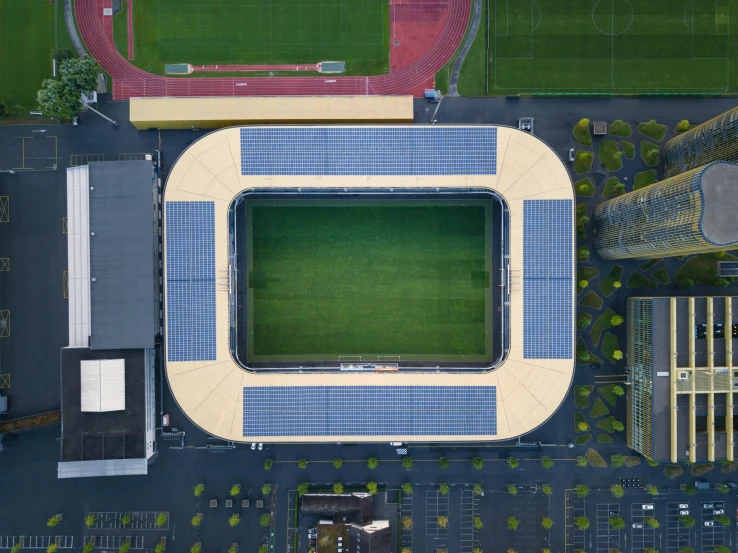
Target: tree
[
  {"x": 617, "y": 355},
  {"x": 268, "y": 464},
  {"x": 302, "y": 488},
  {"x": 546, "y": 489},
  {"x": 407, "y": 550},
  {"x": 125, "y": 547},
  {"x": 722, "y": 519},
  {"x": 3, "y": 108},
  {"x": 478, "y": 489},
  {"x": 235, "y": 490},
  {"x": 583, "y": 123},
  {"x": 265, "y": 520},
  {"x": 443, "y": 489},
  {"x": 197, "y": 520},
  {"x": 234, "y": 549},
  {"x": 617, "y": 491},
  {"x": 477, "y": 550},
  {"x": 512, "y": 489},
  {"x": 199, "y": 489},
  {"x": 616, "y": 320},
  {"x": 616, "y": 522},
  {"x": 478, "y": 523},
  {"x": 407, "y": 488},
  {"x": 617, "y": 460},
  {"x": 618, "y": 390},
  {"x": 52, "y": 548},
  {"x": 583, "y": 254},
  {"x": 581, "y": 522},
  {"x": 722, "y": 488},
  {"x": 372, "y": 487},
  {"x": 338, "y": 463},
  {"x": 407, "y": 523},
  {"x": 233, "y": 520},
  {"x": 443, "y": 463},
  {"x": 583, "y": 283},
  {"x": 686, "y": 550},
  {"x": 652, "y": 463},
  {"x": 581, "y": 490},
  {"x": 512, "y": 523},
  {"x": 652, "y": 522},
  {"x": 688, "y": 521},
  {"x": 302, "y": 463},
  {"x": 583, "y": 356},
  {"x": 582, "y": 426},
  {"x": 618, "y": 426},
  {"x": 60, "y": 97},
  {"x": 53, "y": 521},
  {"x": 266, "y": 489},
  {"x": 196, "y": 547},
  {"x": 547, "y": 462},
  {"x": 337, "y": 488},
  {"x": 126, "y": 519},
  {"x": 512, "y": 462},
  {"x": 689, "y": 489},
  {"x": 547, "y": 523},
  {"x": 161, "y": 519},
  {"x": 90, "y": 520},
  {"x": 722, "y": 283},
  {"x": 88, "y": 548},
  {"x": 651, "y": 489},
  {"x": 682, "y": 126},
  {"x": 443, "y": 522},
  {"x": 79, "y": 73},
  {"x": 722, "y": 549},
  {"x": 684, "y": 282},
  {"x": 477, "y": 463},
  {"x": 582, "y": 461},
  {"x": 650, "y": 550},
  {"x": 407, "y": 462},
  {"x": 583, "y": 321},
  {"x": 372, "y": 463}
]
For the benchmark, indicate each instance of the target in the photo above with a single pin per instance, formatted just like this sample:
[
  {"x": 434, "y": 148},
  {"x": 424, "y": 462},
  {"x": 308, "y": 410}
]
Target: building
[
  {"x": 715, "y": 140},
  {"x": 513, "y": 395},
  {"x": 683, "y": 360},
  {"x": 107, "y": 370},
  {"x": 693, "y": 212}
]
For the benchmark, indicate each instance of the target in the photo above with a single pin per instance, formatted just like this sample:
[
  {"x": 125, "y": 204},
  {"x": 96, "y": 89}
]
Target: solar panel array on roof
[
  {"x": 547, "y": 279},
  {"x": 190, "y": 246},
  {"x": 368, "y": 151},
  {"x": 369, "y": 411}
]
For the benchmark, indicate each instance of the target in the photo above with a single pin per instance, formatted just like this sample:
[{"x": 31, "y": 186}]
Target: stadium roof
[{"x": 227, "y": 401}]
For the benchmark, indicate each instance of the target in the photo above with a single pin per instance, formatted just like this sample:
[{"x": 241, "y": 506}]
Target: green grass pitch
[
  {"x": 603, "y": 46},
  {"x": 205, "y": 32},
  {"x": 333, "y": 280}
]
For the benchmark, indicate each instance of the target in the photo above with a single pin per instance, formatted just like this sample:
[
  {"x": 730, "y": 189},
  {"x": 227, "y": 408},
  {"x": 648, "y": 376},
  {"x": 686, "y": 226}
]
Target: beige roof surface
[{"x": 528, "y": 391}]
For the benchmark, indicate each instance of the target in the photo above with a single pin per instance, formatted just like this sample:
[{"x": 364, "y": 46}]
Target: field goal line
[
  {"x": 717, "y": 30},
  {"x": 533, "y": 27}
]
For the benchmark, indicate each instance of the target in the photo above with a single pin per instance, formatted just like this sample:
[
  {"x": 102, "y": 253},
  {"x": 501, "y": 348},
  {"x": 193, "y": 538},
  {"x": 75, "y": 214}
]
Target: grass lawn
[
  {"x": 586, "y": 273},
  {"x": 628, "y": 148},
  {"x": 474, "y": 70},
  {"x": 652, "y": 130},
  {"x": 644, "y": 178},
  {"x": 581, "y": 400},
  {"x": 591, "y": 299},
  {"x": 609, "y": 345},
  {"x": 584, "y": 319},
  {"x": 639, "y": 280},
  {"x": 649, "y": 153},
  {"x": 595, "y": 459},
  {"x": 26, "y": 48},
  {"x": 599, "y": 409},
  {"x": 120, "y": 30},
  {"x": 606, "y": 424},
  {"x": 610, "y": 155},
  {"x": 726, "y": 467},
  {"x": 662, "y": 275},
  {"x": 601, "y": 324},
  {"x": 584, "y": 187},
  {"x": 702, "y": 268},
  {"x": 330, "y": 278},
  {"x": 581, "y": 440},
  {"x": 613, "y": 187},
  {"x": 673, "y": 471},
  {"x": 609, "y": 394},
  {"x": 701, "y": 469},
  {"x": 650, "y": 263},
  {"x": 607, "y": 284},
  {"x": 632, "y": 461},
  {"x": 583, "y": 254},
  {"x": 620, "y": 128},
  {"x": 604, "y": 439},
  {"x": 583, "y": 161},
  {"x": 582, "y": 135},
  {"x": 581, "y": 348},
  {"x": 252, "y": 32},
  {"x": 578, "y": 419},
  {"x": 581, "y": 211}
]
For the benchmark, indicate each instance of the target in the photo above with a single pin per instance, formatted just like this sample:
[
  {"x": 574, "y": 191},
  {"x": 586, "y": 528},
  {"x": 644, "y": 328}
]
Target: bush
[
  {"x": 372, "y": 488},
  {"x": 617, "y": 355},
  {"x": 583, "y": 283},
  {"x": 443, "y": 489},
  {"x": 477, "y": 463},
  {"x": 407, "y": 488},
  {"x": 407, "y": 462},
  {"x": 683, "y": 126},
  {"x": 547, "y": 462},
  {"x": 583, "y": 356},
  {"x": 338, "y": 463},
  {"x": 684, "y": 283},
  {"x": 512, "y": 489},
  {"x": 583, "y": 254},
  {"x": 265, "y": 520},
  {"x": 338, "y": 488},
  {"x": 199, "y": 489},
  {"x": 302, "y": 463},
  {"x": 616, "y": 320},
  {"x": 512, "y": 462},
  {"x": 268, "y": 464},
  {"x": 583, "y": 161},
  {"x": 303, "y": 488},
  {"x": 443, "y": 463},
  {"x": 372, "y": 463}
]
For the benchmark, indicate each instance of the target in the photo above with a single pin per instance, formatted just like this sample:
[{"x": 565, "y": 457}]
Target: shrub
[
  {"x": 584, "y": 319},
  {"x": 302, "y": 463},
  {"x": 682, "y": 126},
  {"x": 235, "y": 490},
  {"x": 199, "y": 489},
  {"x": 443, "y": 489},
  {"x": 477, "y": 463},
  {"x": 372, "y": 488},
  {"x": 268, "y": 464},
  {"x": 443, "y": 463},
  {"x": 583, "y": 254},
  {"x": 583, "y": 283},
  {"x": 617, "y": 284},
  {"x": 616, "y": 320},
  {"x": 547, "y": 462},
  {"x": 265, "y": 520},
  {"x": 684, "y": 283},
  {"x": 303, "y": 488},
  {"x": 582, "y": 426},
  {"x": 618, "y": 426},
  {"x": 338, "y": 488},
  {"x": 233, "y": 520},
  {"x": 512, "y": 462},
  {"x": 512, "y": 523},
  {"x": 583, "y": 356},
  {"x": 722, "y": 282},
  {"x": 582, "y": 461},
  {"x": 618, "y": 391},
  {"x": 372, "y": 463},
  {"x": 407, "y": 522},
  {"x": 407, "y": 488},
  {"x": 617, "y": 355},
  {"x": 196, "y": 520},
  {"x": 546, "y": 489},
  {"x": 512, "y": 489},
  {"x": 338, "y": 463},
  {"x": 407, "y": 462}
]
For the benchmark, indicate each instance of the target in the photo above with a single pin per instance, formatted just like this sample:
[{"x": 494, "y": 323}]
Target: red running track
[
  {"x": 130, "y": 81},
  {"x": 130, "y": 29},
  {"x": 284, "y": 67}
]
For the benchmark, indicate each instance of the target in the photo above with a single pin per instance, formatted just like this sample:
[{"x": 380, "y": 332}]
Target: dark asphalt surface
[{"x": 33, "y": 292}]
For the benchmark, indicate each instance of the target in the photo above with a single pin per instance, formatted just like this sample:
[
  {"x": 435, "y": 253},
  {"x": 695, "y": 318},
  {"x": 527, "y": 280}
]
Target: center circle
[{"x": 612, "y": 17}]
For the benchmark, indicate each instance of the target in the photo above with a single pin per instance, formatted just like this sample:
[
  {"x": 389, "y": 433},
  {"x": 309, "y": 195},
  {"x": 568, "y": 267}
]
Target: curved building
[
  {"x": 369, "y": 283},
  {"x": 694, "y": 212}
]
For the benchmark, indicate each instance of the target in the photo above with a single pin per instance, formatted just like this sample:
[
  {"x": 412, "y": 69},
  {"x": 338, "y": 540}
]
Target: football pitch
[
  {"x": 604, "y": 46},
  {"x": 368, "y": 280},
  {"x": 209, "y": 32}
]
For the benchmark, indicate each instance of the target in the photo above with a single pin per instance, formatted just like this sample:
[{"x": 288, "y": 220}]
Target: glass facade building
[{"x": 640, "y": 399}]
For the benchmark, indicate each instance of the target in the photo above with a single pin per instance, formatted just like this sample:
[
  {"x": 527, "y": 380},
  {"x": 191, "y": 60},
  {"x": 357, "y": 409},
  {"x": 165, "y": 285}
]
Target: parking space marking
[
  {"x": 436, "y": 505},
  {"x": 75, "y": 160},
  {"x": 4, "y": 381},
  {"x": 607, "y": 537},
  {"x": 135, "y": 156},
  {"x": 4, "y": 209},
  {"x": 65, "y": 225},
  {"x": 291, "y": 521},
  {"x": 4, "y": 264},
  {"x": 677, "y": 535},
  {"x": 5, "y": 323},
  {"x": 140, "y": 520},
  {"x": 468, "y": 511},
  {"x": 407, "y": 511},
  {"x": 114, "y": 542},
  {"x": 574, "y": 507},
  {"x": 37, "y": 542},
  {"x": 643, "y": 537},
  {"x": 713, "y": 533}
]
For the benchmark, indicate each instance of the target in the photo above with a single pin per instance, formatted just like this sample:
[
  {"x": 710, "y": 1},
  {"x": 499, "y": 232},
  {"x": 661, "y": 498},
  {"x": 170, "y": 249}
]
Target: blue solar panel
[
  {"x": 370, "y": 411},
  {"x": 547, "y": 279},
  {"x": 190, "y": 236},
  {"x": 369, "y": 151}
]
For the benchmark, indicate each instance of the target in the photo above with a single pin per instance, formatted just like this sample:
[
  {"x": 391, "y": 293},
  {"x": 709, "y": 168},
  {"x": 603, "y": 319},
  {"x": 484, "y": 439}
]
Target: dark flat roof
[
  {"x": 720, "y": 192},
  {"x": 111, "y": 435},
  {"x": 122, "y": 296}
]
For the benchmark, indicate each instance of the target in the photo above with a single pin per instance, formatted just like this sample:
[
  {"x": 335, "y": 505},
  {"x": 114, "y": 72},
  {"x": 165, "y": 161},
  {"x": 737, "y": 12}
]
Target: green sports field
[
  {"x": 603, "y": 46},
  {"x": 384, "y": 280},
  {"x": 205, "y": 32}
]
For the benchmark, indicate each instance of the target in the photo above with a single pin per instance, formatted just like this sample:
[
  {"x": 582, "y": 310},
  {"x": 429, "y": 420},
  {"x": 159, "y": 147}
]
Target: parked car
[
  {"x": 719, "y": 504},
  {"x": 647, "y": 507},
  {"x": 684, "y": 512},
  {"x": 614, "y": 514},
  {"x": 571, "y": 154},
  {"x": 684, "y": 505},
  {"x": 709, "y": 523},
  {"x": 637, "y": 525},
  {"x": 708, "y": 505},
  {"x": 718, "y": 512}
]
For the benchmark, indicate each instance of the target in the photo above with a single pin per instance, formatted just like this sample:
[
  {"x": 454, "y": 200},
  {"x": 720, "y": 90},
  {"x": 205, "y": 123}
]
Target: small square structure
[
  {"x": 245, "y": 503},
  {"x": 229, "y": 503},
  {"x": 213, "y": 502},
  {"x": 600, "y": 127},
  {"x": 103, "y": 383},
  {"x": 259, "y": 503}
]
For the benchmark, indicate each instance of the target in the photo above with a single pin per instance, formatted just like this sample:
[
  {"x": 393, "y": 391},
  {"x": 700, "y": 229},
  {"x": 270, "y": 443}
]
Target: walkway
[
  {"x": 453, "y": 81},
  {"x": 131, "y": 81}
]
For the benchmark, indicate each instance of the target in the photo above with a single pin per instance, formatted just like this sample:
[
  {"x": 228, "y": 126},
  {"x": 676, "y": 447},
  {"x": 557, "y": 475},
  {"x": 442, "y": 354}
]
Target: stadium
[{"x": 369, "y": 283}]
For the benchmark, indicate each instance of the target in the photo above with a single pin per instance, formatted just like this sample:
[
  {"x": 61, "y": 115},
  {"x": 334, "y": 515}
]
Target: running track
[{"x": 130, "y": 81}]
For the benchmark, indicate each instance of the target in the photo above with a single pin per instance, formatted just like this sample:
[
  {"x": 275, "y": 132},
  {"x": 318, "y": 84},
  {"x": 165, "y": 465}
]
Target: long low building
[{"x": 501, "y": 386}]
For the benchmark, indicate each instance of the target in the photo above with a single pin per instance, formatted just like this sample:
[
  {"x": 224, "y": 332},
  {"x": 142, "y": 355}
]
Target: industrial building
[
  {"x": 683, "y": 361},
  {"x": 693, "y": 212},
  {"x": 107, "y": 370}
]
